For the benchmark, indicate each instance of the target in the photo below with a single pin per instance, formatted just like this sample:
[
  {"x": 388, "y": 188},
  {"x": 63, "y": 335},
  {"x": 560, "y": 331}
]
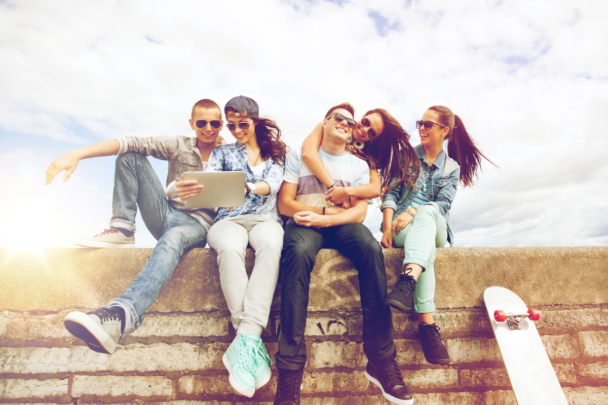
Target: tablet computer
[{"x": 222, "y": 189}]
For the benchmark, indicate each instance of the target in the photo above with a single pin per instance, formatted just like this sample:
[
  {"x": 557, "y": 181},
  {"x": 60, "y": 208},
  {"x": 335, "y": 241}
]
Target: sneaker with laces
[
  {"x": 262, "y": 361},
  {"x": 101, "y": 329},
  {"x": 433, "y": 347},
  {"x": 239, "y": 360},
  {"x": 385, "y": 375},
  {"x": 289, "y": 385},
  {"x": 109, "y": 238},
  {"x": 402, "y": 296}
]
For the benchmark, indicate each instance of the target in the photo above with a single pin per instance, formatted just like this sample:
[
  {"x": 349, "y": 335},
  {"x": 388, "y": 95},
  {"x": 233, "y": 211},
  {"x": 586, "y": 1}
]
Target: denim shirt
[
  {"x": 233, "y": 158},
  {"x": 441, "y": 180}
]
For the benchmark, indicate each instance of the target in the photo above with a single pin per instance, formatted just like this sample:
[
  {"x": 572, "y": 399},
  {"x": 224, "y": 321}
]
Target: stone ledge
[{"x": 53, "y": 280}]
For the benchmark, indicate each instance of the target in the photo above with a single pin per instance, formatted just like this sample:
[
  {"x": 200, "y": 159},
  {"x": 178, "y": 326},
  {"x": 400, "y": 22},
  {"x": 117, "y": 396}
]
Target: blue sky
[{"x": 529, "y": 80}]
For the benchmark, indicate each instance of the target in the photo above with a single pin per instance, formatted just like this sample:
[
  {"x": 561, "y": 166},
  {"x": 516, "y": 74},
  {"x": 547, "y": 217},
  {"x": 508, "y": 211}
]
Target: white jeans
[{"x": 248, "y": 299}]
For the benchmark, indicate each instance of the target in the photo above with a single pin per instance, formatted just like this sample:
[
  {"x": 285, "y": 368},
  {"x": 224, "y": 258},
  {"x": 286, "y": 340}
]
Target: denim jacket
[
  {"x": 442, "y": 186},
  {"x": 233, "y": 158}
]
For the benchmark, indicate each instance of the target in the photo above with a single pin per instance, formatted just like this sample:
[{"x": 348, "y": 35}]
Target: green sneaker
[
  {"x": 262, "y": 361},
  {"x": 239, "y": 360}
]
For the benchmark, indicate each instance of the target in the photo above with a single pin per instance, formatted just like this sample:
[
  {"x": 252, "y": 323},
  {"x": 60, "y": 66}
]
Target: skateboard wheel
[
  {"x": 499, "y": 315},
  {"x": 534, "y": 314}
]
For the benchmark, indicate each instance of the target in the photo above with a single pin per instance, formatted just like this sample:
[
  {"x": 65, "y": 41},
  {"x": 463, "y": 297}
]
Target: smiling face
[
  {"x": 241, "y": 134},
  {"x": 373, "y": 125},
  {"x": 207, "y": 134},
  {"x": 333, "y": 128},
  {"x": 436, "y": 135}
]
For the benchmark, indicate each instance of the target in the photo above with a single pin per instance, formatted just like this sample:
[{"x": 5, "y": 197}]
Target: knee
[
  {"x": 128, "y": 158},
  {"x": 427, "y": 210}
]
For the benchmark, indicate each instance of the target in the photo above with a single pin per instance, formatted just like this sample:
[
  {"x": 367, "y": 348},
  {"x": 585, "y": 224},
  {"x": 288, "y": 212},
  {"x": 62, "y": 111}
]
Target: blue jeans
[{"x": 137, "y": 185}]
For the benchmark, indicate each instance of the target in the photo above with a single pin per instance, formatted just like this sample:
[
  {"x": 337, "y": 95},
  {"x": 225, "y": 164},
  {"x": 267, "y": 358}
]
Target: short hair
[
  {"x": 206, "y": 103},
  {"x": 345, "y": 106}
]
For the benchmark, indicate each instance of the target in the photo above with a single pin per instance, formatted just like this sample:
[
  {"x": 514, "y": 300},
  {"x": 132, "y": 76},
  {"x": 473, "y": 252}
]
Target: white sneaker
[
  {"x": 101, "y": 329},
  {"x": 109, "y": 238}
]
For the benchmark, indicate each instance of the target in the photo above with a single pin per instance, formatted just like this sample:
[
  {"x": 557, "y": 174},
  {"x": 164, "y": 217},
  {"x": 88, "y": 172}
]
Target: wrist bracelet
[
  {"x": 332, "y": 186},
  {"x": 411, "y": 215},
  {"x": 323, "y": 210}
]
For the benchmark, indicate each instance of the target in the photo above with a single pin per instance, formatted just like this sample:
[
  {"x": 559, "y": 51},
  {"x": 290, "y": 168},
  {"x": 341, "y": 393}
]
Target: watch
[{"x": 250, "y": 188}]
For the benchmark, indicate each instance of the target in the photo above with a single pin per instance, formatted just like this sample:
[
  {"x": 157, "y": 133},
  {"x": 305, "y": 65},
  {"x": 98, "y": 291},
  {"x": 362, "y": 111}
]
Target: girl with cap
[
  {"x": 416, "y": 206},
  {"x": 260, "y": 153}
]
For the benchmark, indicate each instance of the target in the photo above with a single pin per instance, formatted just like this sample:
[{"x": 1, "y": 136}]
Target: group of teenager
[{"x": 323, "y": 188}]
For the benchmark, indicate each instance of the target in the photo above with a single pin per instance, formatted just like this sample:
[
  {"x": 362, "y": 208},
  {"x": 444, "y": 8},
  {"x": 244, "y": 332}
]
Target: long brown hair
[
  {"x": 461, "y": 146},
  {"x": 268, "y": 135},
  {"x": 391, "y": 153}
]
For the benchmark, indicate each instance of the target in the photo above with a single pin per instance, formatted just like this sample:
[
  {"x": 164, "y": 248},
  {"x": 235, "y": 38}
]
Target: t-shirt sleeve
[
  {"x": 363, "y": 176},
  {"x": 292, "y": 167}
]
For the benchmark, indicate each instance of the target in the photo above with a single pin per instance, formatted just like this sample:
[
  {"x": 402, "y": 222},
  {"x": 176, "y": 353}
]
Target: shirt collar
[{"x": 422, "y": 156}]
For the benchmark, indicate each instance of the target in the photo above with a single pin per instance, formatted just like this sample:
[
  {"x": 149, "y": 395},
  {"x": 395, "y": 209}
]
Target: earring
[{"x": 358, "y": 144}]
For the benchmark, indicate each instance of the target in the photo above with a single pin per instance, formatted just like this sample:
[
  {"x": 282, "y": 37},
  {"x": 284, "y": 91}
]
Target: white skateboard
[{"x": 532, "y": 376}]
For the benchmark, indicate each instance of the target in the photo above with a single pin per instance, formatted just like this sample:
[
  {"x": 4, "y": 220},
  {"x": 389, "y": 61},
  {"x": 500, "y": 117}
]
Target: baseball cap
[{"x": 243, "y": 107}]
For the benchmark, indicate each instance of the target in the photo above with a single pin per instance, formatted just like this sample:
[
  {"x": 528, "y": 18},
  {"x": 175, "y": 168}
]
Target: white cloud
[{"x": 529, "y": 79}]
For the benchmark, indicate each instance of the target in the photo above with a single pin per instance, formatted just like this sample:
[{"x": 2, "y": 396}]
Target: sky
[{"x": 528, "y": 79}]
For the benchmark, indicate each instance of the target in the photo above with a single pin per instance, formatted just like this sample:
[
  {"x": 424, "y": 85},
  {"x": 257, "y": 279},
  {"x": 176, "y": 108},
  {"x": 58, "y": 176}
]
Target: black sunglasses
[
  {"x": 339, "y": 118},
  {"x": 244, "y": 125},
  {"x": 427, "y": 125},
  {"x": 371, "y": 134},
  {"x": 203, "y": 123}
]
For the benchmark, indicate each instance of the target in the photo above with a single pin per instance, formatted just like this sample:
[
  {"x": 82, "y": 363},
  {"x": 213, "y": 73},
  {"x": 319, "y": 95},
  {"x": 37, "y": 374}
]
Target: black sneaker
[
  {"x": 101, "y": 329},
  {"x": 432, "y": 345},
  {"x": 386, "y": 375},
  {"x": 402, "y": 296},
  {"x": 289, "y": 385}
]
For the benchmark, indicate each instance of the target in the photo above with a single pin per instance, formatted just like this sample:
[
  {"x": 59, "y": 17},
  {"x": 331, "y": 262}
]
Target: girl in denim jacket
[{"x": 417, "y": 218}]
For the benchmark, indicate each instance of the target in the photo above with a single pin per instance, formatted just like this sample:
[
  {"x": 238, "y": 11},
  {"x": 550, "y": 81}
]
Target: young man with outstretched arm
[
  {"x": 314, "y": 226},
  {"x": 137, "y": 185}
]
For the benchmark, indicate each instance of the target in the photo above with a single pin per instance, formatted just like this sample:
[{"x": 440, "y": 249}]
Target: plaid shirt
[{"x": 233, "y": 158}]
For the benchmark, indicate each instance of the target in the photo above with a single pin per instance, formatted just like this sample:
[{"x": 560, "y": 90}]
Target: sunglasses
[
  {"x": 244, "y": 125},
  {"x": 339, "y": 118},
  {"x": 203, "y": 123},
  {"x": 371, "y": 134},
  {"x": 427, "y": 125}
]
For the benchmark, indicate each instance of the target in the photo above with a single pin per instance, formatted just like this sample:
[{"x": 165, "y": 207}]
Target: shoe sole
[
  {"x": 439, "y": 362},
  {"x": 388, "y": 397},
  {"x": 91, "y": 244},
  {"x": 264, "y": 380},
  {"x": 397, "y": 305},
  {"x": 233, "y": 382},
  {"x": 84, "y": 328}
]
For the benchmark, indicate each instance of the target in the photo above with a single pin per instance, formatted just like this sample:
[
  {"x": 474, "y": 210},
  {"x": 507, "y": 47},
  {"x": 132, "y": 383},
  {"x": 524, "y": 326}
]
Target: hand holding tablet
[{"x": 213, "y": 189}]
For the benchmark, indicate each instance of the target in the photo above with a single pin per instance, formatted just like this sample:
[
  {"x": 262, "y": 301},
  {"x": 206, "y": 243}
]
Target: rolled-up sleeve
[
  {"x": 160, "y": 147},
  {"x": 392, "y": 196},
  {"x": 446, "y": 195}
]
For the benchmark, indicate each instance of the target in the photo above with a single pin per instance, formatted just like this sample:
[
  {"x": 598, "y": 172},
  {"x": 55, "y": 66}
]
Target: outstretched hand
[{"x": 67, "y": 162}]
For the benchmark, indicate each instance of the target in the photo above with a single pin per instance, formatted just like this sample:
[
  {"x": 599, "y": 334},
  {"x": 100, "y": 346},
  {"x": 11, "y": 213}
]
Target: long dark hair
[
  {"x": 461, "y": 146},
  {"x": 391, "y": 153},
  {"x": 268, "y": 135}
]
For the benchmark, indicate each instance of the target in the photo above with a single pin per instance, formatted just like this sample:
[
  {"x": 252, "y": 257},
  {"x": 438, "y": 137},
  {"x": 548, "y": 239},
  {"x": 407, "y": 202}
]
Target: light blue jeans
[
  {"x": 420, "y": 240},
  {"x": 137, "y": 185}
]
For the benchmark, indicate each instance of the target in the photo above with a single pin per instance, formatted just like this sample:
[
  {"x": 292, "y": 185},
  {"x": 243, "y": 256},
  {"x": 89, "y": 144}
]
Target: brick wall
[{"x": 175, "y": 357}]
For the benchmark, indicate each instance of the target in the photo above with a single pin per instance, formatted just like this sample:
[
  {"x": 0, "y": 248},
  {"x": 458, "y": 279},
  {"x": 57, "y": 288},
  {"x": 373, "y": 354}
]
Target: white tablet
[{"x": 222, "y": 189}]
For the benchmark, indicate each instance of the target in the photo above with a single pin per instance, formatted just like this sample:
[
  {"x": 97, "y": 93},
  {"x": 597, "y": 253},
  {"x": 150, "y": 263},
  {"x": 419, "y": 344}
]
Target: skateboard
[{"x": 528, "y": 366}]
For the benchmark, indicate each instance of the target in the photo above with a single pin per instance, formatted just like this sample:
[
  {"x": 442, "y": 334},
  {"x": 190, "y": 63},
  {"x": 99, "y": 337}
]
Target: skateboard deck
[{"x": 530, "y": 371}]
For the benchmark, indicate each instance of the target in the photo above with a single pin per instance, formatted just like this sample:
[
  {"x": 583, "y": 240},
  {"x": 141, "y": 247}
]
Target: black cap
[{"x": 243, "y": 107}]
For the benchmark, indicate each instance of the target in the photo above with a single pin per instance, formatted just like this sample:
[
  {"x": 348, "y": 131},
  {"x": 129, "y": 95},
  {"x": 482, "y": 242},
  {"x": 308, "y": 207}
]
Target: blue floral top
[{"x": 233, "y": 158}]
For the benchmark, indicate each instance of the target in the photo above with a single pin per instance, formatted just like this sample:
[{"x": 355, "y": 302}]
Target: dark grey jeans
[{"x": 300, "y": 248}]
